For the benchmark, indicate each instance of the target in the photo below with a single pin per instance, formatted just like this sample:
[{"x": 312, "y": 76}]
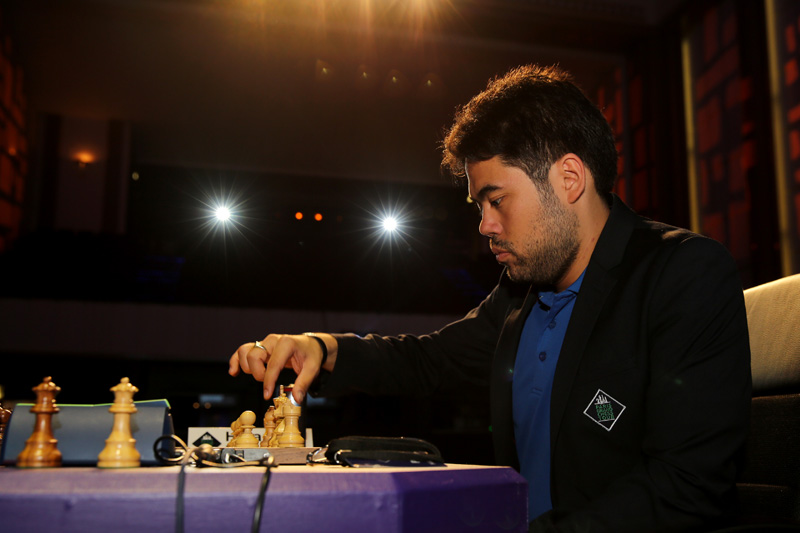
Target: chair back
[{"x": 769, "y": 486}]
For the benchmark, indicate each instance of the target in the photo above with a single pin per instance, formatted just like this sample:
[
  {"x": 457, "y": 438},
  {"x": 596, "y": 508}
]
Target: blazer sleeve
[
  {"x": 697, "y": 398},
  {"x": 421, "y": 365}
]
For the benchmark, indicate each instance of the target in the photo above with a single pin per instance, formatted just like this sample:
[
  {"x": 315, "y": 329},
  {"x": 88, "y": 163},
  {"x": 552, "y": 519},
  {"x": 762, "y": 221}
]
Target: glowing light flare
[
  {"x": 222, "y": 213},
  {"x": 298, "y": 215},
  {"x": 84, "y": 159},
  {"x": 318, "y": 217},
  {"x": 387, "y": 232},
  {"x": 390, "y": 224}
]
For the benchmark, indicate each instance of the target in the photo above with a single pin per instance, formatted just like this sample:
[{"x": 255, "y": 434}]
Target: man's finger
[
  {"x": 257, "y": 360},
  {"x": 239, "y": 360},
  {"x": 233, "y": 364},
  {"x": 304, "y": 380},
  {"x": 307, "y": 373},
  {"x": 282, "y": 350}
]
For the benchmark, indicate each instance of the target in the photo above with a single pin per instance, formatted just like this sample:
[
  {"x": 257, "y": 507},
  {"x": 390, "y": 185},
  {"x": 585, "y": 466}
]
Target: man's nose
[{"x": 488, "y": 226}]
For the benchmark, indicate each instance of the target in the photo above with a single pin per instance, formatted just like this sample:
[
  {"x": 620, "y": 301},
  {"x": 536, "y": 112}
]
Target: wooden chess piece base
[
  {"x": 120, "y": 450},
  {"x": 41, "y": 447}
]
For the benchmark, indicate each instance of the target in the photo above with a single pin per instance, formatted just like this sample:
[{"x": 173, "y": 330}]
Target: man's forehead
[{"x": 483, "y": 181}]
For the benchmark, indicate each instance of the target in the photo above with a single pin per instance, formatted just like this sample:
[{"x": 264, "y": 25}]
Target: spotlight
[
  {"x": 389, "y": 224},
  {"x": 222, "y": 213}
]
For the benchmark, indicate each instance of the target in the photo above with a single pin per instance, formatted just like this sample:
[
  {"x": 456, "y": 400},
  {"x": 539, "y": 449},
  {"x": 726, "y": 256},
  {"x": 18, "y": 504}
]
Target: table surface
[{"x": 299, "y": 497}]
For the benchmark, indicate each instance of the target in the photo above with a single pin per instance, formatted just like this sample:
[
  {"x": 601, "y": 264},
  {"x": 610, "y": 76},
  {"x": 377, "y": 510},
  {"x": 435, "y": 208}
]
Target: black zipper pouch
[{"x": 356, "y": 451}]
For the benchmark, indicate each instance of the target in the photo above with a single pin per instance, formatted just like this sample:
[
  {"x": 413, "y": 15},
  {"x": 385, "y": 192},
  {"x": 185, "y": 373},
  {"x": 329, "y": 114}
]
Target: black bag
[{"x": 382, "y": 451}]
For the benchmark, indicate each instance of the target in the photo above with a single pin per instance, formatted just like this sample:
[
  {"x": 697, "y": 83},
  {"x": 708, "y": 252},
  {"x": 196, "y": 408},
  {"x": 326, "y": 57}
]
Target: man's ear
[{"x": 573, "y": 177}]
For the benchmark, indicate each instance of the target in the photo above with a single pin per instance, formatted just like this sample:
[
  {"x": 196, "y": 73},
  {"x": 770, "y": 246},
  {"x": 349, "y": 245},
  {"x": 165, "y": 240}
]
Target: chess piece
[
  {"x": 280, "y": 424},
  {"x": 269, "y": 426},
  {"x": 41, "y": 447},
  {"x": 234, "y": 433},
  {"x": 5, "y": 415},
  {"x": 291, "y": 437},
  {"x": 120, "y": 450},
  {"x": 246, "y": 439}
]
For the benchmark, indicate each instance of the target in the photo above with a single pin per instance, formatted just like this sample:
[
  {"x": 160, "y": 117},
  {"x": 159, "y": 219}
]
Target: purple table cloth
[{"x": 299, "y": 499}]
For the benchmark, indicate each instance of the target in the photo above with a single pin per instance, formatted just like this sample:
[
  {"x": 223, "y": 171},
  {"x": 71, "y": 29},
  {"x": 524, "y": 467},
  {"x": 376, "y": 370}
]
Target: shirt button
[
  {"x": 542, "y": 356},
  {"x": 552, "y": 324}
]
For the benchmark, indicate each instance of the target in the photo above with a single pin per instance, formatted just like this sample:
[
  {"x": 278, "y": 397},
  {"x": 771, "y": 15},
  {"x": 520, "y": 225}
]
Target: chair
[{"x": 769, "y": 487}]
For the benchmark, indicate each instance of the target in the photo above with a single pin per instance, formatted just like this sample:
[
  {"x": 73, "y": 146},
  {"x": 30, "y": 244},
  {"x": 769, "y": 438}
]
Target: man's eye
[{"x": 496, "y": 202}]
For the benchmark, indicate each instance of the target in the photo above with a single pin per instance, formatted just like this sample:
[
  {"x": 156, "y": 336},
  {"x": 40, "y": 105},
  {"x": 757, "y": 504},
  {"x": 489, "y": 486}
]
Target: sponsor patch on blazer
[{"x": 604, "y": 410}]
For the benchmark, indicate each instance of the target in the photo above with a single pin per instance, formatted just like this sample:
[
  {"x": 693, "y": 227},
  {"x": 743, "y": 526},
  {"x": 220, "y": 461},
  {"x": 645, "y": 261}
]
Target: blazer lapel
[
  {"x": 502, "y": 375},
  {"x": 598, "y": 281}
]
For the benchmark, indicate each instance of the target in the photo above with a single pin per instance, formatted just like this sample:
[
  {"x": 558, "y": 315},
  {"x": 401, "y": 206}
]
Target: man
[{"x": 616, "y": 347}]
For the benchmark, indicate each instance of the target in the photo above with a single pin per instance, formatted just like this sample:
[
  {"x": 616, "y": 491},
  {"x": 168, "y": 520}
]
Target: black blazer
[{"x": 651, "y": 394}]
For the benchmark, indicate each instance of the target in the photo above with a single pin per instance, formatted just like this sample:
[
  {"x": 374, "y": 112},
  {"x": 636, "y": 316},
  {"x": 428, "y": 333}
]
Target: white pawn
[{"x": 246, "y": 439}]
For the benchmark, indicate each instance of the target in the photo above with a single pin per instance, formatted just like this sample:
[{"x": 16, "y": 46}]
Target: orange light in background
[
  {"x": 84, "y": 158},
  {"x": 318, "y": 217},
  {"x": 298, "y": 215}
]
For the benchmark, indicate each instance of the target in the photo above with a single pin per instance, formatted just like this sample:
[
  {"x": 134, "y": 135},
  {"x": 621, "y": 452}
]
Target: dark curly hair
[{"x": 530, "y": 117}]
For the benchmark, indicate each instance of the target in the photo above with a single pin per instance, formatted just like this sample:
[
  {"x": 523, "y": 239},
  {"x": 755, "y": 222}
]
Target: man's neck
[{"x": 592, "y": 219}]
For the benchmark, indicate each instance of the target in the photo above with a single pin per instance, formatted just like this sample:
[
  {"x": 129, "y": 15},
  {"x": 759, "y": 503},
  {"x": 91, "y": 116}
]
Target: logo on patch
[{"x": 604, "y": 410}]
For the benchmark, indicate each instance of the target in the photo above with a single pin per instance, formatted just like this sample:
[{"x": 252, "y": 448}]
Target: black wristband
[{"x": 321, "y": 345}]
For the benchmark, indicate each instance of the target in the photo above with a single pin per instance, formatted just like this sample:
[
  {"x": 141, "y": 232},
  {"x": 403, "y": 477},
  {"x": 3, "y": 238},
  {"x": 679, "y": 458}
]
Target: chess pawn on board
[
  {"x": 246, "y": 439},
  {"x": 269, "y": 426},
  {"x": 41, "y": 447},
  {"x": 120, "y": 450}
]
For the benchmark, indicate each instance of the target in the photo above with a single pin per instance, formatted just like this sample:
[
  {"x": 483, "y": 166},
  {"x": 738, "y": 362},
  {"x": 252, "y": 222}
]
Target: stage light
[
  {"x": 222, "y": 213},
  {"x": 298, "y": 215},
  {"x": 84, "y": 159},
  {"x": 318, "y": 217},
  {"x": 389, "y": 224}
]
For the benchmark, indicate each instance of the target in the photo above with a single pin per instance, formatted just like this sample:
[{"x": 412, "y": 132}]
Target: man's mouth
[{"x": 500, "y": 254}]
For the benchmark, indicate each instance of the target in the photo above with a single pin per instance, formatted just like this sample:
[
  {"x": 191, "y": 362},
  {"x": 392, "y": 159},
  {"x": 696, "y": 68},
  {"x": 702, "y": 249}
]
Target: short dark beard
[{"x": 557, "y": 250}]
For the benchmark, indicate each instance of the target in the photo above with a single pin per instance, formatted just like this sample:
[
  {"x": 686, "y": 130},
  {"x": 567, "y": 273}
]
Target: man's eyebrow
[{"x": 486, "y": 189}]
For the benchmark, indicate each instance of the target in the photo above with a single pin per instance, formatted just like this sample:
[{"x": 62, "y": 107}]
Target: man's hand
[{"x": 265, "y": 360}]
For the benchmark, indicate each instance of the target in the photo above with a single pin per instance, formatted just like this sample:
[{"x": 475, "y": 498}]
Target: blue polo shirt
[{"x": 537, "y": 355}]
